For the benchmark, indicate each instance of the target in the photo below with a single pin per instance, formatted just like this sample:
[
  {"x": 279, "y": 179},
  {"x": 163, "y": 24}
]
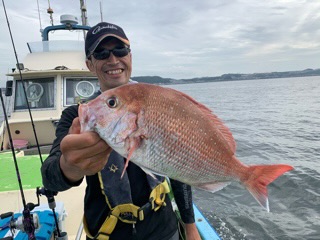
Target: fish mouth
[{"x": 86, "y": 118}]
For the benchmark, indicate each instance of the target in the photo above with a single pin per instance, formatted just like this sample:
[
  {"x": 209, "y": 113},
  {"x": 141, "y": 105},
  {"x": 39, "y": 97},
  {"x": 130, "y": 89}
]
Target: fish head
[{"x": 112, "y": 115}]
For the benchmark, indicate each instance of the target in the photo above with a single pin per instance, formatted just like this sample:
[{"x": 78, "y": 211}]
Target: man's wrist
[{"x": 71, "y": 177}]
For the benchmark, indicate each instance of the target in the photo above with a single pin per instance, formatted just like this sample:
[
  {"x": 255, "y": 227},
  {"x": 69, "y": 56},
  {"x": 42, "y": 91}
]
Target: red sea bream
[{"x": 167, "y": 132}]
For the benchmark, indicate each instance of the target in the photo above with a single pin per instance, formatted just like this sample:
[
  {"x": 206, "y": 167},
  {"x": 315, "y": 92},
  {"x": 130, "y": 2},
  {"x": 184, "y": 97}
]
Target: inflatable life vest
[{"x": 118, "y": 197}]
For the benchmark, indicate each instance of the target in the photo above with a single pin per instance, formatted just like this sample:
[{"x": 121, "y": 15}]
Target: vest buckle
[{"x": 128, "y": 216}]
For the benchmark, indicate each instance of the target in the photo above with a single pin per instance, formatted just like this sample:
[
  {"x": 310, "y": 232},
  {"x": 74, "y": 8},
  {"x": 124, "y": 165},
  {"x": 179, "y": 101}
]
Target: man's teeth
[{"x": 118, "y": 71}]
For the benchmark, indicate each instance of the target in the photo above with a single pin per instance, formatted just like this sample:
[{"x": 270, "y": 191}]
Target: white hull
[{"x": 45, "y": 133}]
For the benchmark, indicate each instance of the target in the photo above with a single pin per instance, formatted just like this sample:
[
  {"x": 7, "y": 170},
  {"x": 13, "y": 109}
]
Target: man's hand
[
  {"x": 192, "y": 231},
  {"x": 82, "y": 153}
]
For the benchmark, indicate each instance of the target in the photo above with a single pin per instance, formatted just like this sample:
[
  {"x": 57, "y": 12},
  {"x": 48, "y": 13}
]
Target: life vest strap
[
  {"x": 158, "y": 195},
  {"x": 130, "y": 213}
]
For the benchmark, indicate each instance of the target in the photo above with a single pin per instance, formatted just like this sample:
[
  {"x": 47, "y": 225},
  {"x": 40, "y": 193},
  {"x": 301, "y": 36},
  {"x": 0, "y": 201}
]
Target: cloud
[{"x": 187, "y": 39}]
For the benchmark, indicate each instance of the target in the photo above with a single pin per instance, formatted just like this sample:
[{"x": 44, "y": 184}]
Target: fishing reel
[
  {"x": 49, "y": 194},
  {"x": 20, "y": 223},
  {"x": 29, "y": 222},
  {"x": 26, "y": 223},
  {"x": 52, "y": 204}
]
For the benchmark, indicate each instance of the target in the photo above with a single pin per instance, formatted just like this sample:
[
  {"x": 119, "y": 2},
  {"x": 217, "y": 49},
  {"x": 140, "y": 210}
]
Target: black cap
[{"x": 99, "y": 32}]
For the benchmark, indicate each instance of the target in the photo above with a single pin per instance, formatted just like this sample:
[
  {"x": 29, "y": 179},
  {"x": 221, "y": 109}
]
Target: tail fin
[{"x": 259, "y": 178}]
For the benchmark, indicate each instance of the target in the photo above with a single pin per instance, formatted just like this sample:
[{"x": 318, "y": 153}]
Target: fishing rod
[
  {"x": 22, "y": 81},
  {"x": 29, "y": 222},
  {"x": 6, "y": 104}
]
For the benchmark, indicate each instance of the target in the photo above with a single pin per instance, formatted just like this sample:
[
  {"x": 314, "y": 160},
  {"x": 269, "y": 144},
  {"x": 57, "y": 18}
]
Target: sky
[{"x": 185, "y": 39}]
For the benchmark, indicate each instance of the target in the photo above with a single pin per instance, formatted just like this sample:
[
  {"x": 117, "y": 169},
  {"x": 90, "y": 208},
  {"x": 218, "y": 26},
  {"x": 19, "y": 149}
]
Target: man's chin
[{"x": 113, "y": 83}]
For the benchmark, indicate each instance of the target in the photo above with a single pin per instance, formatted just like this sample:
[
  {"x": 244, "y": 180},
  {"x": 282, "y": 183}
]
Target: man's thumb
[{"x": 75, "y": 127}]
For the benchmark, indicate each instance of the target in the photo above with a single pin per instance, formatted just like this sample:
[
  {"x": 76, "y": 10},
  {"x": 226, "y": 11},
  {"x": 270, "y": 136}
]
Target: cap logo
[{"x": 99, "y": 28}]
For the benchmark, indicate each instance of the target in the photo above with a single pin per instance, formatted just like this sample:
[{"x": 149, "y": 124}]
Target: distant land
[
  {"x": 229, "y": 77},
  {"x": 225, "y": 77}
]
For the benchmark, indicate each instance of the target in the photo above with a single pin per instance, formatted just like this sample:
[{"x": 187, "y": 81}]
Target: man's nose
[{"x": 112, "y": 58}]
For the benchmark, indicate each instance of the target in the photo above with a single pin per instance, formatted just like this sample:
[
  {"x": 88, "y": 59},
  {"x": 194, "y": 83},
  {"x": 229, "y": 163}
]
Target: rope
[{"x": 39, "y": 15}]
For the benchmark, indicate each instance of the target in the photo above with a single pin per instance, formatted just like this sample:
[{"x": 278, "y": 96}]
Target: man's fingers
[
  {"x": 75, "y": 127},
  {"x": 95, "y": 163},
  {"x": 85, "y": 152},
  {"x": 99, "y": 149},
  {"x": 80, "y": 141}
]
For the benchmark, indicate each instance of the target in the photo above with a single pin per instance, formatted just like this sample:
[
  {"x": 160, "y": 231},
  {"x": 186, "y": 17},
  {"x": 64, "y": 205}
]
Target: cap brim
[{"x": 96, "y": 43}]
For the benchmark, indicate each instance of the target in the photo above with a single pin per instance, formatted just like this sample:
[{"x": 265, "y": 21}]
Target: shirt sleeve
[
  {"x": 183, "y": 197},
  {"x": 52, "y": 177}
]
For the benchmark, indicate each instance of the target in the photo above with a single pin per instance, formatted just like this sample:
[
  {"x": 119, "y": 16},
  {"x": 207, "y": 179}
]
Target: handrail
[
  {"x": 45, "y": 32},
  {"x": 79, "y": 232}
]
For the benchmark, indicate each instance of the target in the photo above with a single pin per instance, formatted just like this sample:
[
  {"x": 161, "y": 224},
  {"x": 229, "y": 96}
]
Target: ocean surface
[{"x": 273, "y": 121}]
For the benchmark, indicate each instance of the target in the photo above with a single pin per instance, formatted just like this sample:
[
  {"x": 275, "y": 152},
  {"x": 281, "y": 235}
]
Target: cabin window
[
  {"x": 79, "y": 89},
  {"x": 40, "y": 93}
]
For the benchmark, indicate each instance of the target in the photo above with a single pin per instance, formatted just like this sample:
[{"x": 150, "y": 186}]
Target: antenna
[
  {"x": 101, "y": 16},
  {"x": 39, "y": 16},
  {"x": 50, "y": 11},
  {"x": 83, "y": 16}
]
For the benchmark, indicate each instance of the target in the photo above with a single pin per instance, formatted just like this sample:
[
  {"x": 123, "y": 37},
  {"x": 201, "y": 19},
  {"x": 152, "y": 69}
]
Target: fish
[{"x": 167, "y": 132}]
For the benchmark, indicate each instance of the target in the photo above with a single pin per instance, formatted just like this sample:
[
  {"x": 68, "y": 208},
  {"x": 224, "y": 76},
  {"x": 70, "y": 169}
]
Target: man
[{"x": 135, "y": 207}]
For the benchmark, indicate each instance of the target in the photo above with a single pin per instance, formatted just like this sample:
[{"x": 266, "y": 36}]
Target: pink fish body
[{"x": 167, "y": 132}]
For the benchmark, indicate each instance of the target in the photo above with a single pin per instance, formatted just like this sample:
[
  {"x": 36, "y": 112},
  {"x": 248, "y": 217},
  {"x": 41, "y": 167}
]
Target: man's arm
[
  {"x": 52, "y": 176},
  {"x": 183, "y": 197}
]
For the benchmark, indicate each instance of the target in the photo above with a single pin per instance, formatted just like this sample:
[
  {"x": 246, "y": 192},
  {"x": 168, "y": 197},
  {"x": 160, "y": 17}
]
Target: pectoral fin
[{"x": 133, "y": 144}]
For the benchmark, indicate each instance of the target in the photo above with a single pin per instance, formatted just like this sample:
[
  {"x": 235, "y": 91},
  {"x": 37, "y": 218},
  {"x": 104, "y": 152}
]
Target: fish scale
[
  {"x": 193, "y": 149},
  {"x": 167, "y": 132},
  {"x": 168, "y": 146}
]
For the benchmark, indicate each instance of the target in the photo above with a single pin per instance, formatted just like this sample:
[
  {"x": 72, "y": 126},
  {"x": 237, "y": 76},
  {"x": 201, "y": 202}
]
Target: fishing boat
[
  {"x": 50, "y": 78},
  {"x": 54, "y": 76}
]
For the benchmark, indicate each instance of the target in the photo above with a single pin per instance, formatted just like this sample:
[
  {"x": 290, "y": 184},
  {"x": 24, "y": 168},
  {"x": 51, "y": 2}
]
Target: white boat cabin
[{"x": 54, "y": 76}]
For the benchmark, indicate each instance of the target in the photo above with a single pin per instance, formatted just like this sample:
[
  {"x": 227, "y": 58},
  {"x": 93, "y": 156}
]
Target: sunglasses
[{"x": 105, "y": 53}]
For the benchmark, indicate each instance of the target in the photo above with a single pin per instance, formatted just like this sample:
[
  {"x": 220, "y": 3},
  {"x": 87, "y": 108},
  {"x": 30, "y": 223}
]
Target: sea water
[{"x": 273, "y": 121}]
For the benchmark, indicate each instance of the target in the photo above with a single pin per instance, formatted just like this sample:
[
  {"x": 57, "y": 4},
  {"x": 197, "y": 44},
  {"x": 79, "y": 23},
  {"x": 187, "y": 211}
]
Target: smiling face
[{"x": 113, "y": 71}]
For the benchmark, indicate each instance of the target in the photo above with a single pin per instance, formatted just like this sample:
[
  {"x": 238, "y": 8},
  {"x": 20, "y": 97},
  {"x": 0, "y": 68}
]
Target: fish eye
[{"x": 112, "y": 102}]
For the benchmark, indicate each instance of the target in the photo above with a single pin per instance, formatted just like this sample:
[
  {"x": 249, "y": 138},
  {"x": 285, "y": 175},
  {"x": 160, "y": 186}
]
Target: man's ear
[{"x": 89, "y": 65}]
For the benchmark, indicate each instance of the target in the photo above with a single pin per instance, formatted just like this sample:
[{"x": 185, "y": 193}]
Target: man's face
[{"x": 113, "y": 71}]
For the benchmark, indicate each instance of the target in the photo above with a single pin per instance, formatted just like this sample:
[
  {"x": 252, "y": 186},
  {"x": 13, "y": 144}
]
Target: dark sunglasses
[{"x": 105, "y": 53}]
